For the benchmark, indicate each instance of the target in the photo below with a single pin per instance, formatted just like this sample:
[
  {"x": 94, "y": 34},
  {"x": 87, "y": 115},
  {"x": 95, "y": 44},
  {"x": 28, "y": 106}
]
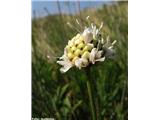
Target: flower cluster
[{"x": 86, "y": 48}]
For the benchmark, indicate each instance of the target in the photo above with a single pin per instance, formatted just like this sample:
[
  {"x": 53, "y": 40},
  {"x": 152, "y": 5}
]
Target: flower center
[{"x": 77, "y": 48}]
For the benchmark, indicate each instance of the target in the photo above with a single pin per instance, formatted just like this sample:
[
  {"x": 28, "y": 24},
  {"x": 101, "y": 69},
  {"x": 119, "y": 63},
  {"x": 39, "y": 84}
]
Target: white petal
[
  {"x": 78, "y": 63},
  {"x": 99, "y": 54},
  {"x": 101, "y": 59},
  {"x": 92, "y": 55},
  {"x": 61, "y": 57},
  {"x": 64, "y": 58},
  {"x": 95, "y": 56},
  {"x": 61, "y": 62},
  {"x": 84, "y": 62},
  {"x": 87, "y": 34},
  {"x": 66, "y": 65},
  {"x": 65, "y": 68},
  {"x": 81, "y": 62},
  {"x": 90, "y": 45}
]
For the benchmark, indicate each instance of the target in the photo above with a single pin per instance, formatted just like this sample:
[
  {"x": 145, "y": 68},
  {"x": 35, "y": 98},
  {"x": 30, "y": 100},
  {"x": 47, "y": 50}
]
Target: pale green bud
[
  {"x": 87, "y": 48},
  {"x": 81, "y": 38},
  {"x": 70, "y": 43},
  {"x": 85, "y": 62},
  {"x": 85, "y": 55},
  {"x": 77, "y": 36},
  {"x": 73, "y": 49},
  {"x": 78, "y": 40},
  {"x": 78, "y": 52},
  {"x": 81, "y": 46},
  {"x": 70, "y": 55},
  {"x": 74, "y": 59},
  {"x": 68, "y": 47}
]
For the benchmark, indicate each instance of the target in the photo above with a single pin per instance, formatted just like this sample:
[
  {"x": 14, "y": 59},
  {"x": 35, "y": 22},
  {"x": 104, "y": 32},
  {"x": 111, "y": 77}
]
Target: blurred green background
[{"x": 64, "y": 96}]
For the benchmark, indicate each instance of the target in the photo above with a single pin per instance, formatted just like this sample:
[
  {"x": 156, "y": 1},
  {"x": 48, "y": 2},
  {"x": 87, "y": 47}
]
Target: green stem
[{"x": 91, "y": 100}]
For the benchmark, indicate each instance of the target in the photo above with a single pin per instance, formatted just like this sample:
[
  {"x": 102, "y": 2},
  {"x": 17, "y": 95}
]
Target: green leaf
[
  {"x": 63, "y": 90},
  {"x": 76, "y": 105},
  {"x": 67, "y": 102}
]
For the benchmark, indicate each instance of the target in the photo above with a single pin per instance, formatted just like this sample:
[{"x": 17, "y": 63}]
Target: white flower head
[{"x": 85, "y": 48}]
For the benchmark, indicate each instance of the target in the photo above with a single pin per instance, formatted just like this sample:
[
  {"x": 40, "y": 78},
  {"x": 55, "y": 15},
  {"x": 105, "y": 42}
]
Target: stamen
[
  {"x": 100, "y": 26},
  {"x": 73, "y": 27},
  {"x": 48, "y": 57},
  {"x": 102, "y": 41},
  {"x": 87, "y": 17},
  {"x": 77, "y": 22},
  {"x": 92, "y": 25},
  {"x": 114, "y": 42},
  {"x": 107, "y": 39},
  {"x": 80, "y": 25},
  {"x": 88, "y": 21},
  {"x": 110, "y": 47}
]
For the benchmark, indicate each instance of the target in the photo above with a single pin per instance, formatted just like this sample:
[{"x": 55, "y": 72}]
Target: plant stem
[
  {"x": 91, "y": 100},
  {"x": 89, "y": 88}
]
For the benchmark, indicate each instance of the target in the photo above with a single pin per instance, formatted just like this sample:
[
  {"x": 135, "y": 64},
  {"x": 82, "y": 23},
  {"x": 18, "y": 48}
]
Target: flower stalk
[
  {"x": 92, "y": 107},
  {"x": 90, "y": 94}
]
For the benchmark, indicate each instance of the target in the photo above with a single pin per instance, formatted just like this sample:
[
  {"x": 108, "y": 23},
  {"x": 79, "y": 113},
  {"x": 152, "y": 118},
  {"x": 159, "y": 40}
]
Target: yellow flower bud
[
  {"x": 73, "y": 38},
  {"x": 81, "y": 38},
  {"x": 78, "y": 41},
  {"x": 77, "y": 36},
  {"x": 78, "y": 52},
  {"x": 70, "y": 55},
  {"x": 67, "y": 47},
  {"x": 70, "y": 43},
  {"x": 87, "y": 48},
  {"x": 73, "y": 49},
  {"x": 81, "y": 46},
  {"x": 74, "y": 59},
  {"x": 85, "y": 54},
  {"x": 73, "y": 41}
]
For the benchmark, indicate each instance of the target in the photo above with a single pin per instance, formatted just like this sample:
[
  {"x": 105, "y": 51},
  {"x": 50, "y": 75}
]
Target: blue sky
[{"x": 52, "y": 8}]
